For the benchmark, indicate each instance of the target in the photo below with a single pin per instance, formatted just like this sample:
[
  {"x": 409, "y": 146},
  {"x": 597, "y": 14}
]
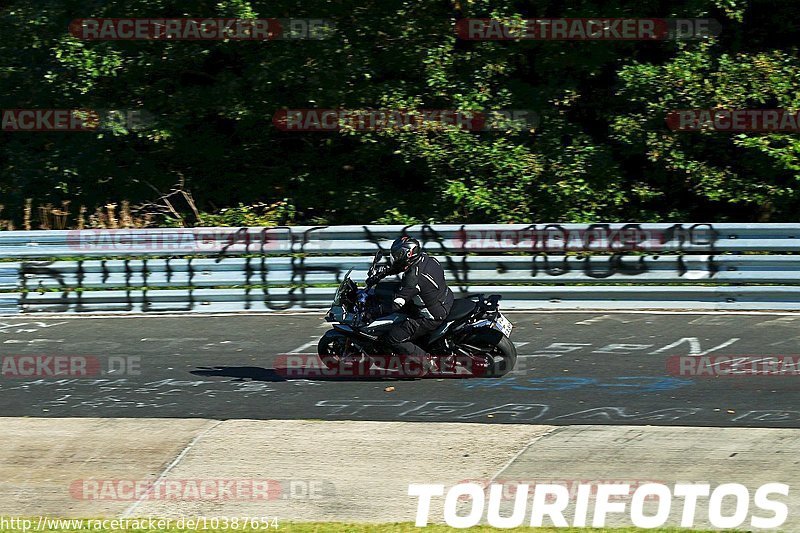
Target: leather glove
[{"x": 380, "y": 273}]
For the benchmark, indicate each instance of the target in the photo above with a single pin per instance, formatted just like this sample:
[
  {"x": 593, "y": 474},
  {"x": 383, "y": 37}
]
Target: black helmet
[{"x": 405, "y": 252}]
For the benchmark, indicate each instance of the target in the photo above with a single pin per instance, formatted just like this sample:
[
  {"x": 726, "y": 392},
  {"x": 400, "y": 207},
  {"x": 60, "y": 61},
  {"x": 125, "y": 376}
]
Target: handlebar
[{"x": 373, "y": 269}]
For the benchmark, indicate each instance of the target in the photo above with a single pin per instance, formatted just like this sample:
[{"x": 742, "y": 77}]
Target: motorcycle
[{"x": 472, "y": 341}]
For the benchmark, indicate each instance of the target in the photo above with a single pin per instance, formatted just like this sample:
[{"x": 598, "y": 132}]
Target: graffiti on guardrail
[
  {"x": 604, "y": 251},
  {"x": 601, "y": 267},
  {"x": 540, "y": 240},
  {"x": 592, "y": 237},
  {"x": 134, "y": 289},
  {"x": 258, "y": 284},
  {"x": 222, "y": 241}
]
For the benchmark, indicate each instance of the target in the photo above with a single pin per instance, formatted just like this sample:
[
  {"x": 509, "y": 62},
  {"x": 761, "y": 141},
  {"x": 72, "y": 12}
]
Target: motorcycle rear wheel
[
  {"x": 497, "y": 349},
  {"x": 502, "y": 359}
]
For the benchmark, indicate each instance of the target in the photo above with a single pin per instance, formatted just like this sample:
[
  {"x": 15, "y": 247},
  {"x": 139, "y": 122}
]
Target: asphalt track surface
[{"x": 574, "y": 368}]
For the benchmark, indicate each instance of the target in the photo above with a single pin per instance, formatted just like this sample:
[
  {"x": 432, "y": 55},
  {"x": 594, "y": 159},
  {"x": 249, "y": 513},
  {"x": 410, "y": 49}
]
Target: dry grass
[{"x": 50, "y": 217}]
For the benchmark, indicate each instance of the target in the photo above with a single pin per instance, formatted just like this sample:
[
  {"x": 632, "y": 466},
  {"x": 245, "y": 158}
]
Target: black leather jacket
[{"x": 422, "y": 284}]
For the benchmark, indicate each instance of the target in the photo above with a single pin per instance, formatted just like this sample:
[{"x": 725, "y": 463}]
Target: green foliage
[
  {"x": 279, "y": 213},
  {"x": 601, "y": 152},
  {"x": 758, "y": 172},
  {"x": 394, "y": 216}
]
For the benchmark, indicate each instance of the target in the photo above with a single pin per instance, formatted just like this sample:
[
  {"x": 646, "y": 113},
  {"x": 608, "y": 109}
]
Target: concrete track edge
[{"x": 356, "y": 470}]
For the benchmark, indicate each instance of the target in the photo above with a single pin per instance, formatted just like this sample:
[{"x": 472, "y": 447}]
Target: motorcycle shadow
[{"x": 257, "y": 373}]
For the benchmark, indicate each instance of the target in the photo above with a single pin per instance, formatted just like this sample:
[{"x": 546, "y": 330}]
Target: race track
[{"x": 574, "y": 368}]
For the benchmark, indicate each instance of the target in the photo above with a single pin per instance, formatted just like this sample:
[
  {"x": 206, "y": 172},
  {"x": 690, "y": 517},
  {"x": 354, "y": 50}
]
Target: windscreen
[{"x": 337, "y": 298}]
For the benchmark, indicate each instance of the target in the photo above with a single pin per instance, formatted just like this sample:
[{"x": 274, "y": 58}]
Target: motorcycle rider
[{"x": 423, "y": 293}]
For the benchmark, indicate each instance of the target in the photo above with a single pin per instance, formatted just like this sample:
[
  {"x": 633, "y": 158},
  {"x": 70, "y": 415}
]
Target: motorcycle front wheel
[{"x": 337, "y": 351}]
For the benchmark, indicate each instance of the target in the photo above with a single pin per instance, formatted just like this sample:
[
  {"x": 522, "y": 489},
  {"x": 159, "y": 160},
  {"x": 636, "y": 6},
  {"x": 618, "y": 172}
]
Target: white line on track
[
  {"x": 520, "y": 452},
  {"x": 130, "y": 510},
  {"x": 304, "y": 346}
]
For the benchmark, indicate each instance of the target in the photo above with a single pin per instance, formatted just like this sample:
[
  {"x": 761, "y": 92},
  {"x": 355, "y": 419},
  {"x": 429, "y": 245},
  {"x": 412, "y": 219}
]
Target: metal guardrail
[
  {"x": 9, "y": 276},
  {"x": 462, "y": 271},
  {"x": 450, "y": 238},
  {"x": 543, "y": 266},
  {"x": 514, "y": 297},
  {"x": 9, "y": 280}
]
